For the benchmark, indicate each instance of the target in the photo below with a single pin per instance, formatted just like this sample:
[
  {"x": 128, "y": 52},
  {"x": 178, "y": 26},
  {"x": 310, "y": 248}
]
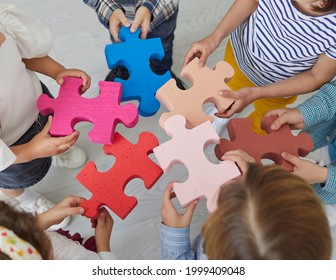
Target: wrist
[{"x": 323, "y": 175}]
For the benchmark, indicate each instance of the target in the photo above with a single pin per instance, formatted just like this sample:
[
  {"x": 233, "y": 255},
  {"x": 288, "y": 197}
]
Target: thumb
[
  {"x": 47, "y": 127},
  {"x": 281, "y": 120},
  {"x": 76, "y": 211},
  {"x": 291, "y": 158},
  {"x": 190, "y": 209}
]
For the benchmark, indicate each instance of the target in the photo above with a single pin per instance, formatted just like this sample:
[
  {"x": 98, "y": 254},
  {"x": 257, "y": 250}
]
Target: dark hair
[
  {"x": 24, "y": 225},
  {"x": 327, "y": 6},
  {"x": 269, "y": 214}
]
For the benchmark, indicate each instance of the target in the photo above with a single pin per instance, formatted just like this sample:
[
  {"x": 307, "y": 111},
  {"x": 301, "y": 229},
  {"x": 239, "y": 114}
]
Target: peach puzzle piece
[
  {"x": 187, "y": 147},
  {"x": 206, "y": 85},
  {"x": 104, "y": 111},
  {"x": 132, "y": 162},
  {"x": 269, "y": 146}
]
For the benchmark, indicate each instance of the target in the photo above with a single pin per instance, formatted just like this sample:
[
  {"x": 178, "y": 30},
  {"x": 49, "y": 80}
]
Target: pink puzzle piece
[
  {"x": 269, "y": 146},
  {"x": 104, "y": 111},
  {"x": 187, "y": 147},
  {"x": 206, "y": 85},
  {"x": 132, "y": 162}
]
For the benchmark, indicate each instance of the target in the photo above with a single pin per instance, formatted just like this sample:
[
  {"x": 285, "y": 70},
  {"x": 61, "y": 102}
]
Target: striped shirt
[
  {"x": 278, "y": 41},
  {"x": 161, "y": 10}
]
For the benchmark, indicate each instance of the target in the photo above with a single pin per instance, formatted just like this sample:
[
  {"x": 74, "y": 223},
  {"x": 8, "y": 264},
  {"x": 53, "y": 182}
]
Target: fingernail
[
  {"x": 284, "y": 154},
  {"x": 81, "y": 211}
]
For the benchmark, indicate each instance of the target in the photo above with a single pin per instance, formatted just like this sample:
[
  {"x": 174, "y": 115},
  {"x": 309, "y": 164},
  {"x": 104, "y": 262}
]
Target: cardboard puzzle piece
[
  {"x": 206, "y": 85},
  {"x": 104, "y": 111},
  {"x": 107, "y": 188},
  {"x": 269, "y": 146},
  {"x": 187, "y": 147},
  {"x": 135, "y": 53}
]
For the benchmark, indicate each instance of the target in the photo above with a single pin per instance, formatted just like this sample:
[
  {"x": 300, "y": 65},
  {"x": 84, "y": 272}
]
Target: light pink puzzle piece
[
  {"x": 187, "y": 147},
  {"x": 206, "y": 85},
  {"x": 104, "y": 111}
]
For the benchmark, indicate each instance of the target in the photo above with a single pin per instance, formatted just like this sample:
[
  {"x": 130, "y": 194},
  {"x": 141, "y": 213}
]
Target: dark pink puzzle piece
[
  {"x": 107, "y": 188},
  {"x": 104, "y": 111},
  {"x": 269, "y": 146}
]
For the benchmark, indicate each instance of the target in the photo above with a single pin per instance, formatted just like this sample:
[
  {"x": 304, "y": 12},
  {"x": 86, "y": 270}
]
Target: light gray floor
[{"x": 79, "y": 43}]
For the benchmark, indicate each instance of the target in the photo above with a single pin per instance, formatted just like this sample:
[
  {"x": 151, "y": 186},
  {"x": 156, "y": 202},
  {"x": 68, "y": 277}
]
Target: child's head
[
  {"x": 19, "y": 232},
  {"x": 269, "y": 214}
]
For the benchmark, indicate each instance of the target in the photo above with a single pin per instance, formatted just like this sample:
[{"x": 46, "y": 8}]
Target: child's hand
[
  {"x": 117, "y": 20},
  {"x": 201, "y": 49},
  {"x": 103, "y": 230},
  {"x": 291, "y": 116},
  {"x": 44, "y": 145},
  {"x": 170, "y": 216},
  {"x": 241, "y": 158},
  {"x": 243, "y": 97},
  {"x": 142, "y": 18},
  {"x": 68, "y": 207},
  {"x": 74, "y": 73},
  {"x": 309, "y": 171}
]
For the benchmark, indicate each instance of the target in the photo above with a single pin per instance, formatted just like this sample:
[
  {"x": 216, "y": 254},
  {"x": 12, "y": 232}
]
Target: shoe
[
  {"x": 219, "y": 123},
  {"x": 117, "y": 72},
  {"x": 180, "y": 84},
  {"x": 73, "y": 158},
  {"x": 34, "y": 203}
]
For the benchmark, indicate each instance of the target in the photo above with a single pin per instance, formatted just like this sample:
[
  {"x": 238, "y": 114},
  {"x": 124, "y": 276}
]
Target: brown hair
[
  {"x": 326, "y": 7},
  {"x": 24, "y": 225},
  {"x": 270, "y": 214}
]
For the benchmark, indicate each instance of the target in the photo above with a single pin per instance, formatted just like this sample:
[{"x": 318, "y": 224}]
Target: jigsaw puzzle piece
[
  {"x": 269, "y": 146},
  {"x": 206, "y": 85},
  {"x": 132, "y": 162},
  {"x": 187, "y": 146},
  {"x": 104, "y": 111},
  {"x": 135, "y": 54}
]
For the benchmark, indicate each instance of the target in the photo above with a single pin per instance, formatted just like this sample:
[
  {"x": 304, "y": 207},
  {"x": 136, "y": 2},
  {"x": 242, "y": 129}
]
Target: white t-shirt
[{"x": 25, "y": 37}]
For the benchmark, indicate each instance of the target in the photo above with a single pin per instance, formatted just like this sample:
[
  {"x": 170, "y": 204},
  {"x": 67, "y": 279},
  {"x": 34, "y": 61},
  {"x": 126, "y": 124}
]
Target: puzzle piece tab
[
  {"x": 135, "y": 53},
  {"x": 104, "y": 111},
  {"x": 132, "y": 162},
  {"x": 187, "y": 147},
  {"x": 269, "y": 146},
  {"x": 206, "y": 85}
]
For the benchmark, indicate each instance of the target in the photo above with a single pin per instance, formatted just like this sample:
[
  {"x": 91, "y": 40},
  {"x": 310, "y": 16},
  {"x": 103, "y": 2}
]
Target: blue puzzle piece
[{"x": 135, "y": 53}]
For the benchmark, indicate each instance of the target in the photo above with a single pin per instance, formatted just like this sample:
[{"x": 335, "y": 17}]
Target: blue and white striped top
[{"x": 278, "y": 41}]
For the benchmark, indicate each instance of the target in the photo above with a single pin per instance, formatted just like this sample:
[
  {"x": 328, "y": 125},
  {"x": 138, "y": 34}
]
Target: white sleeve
[
  {"x": 107, "y": 256},
  {"x": 7, "y": 157},
  {"x": 33, "y": 37}
]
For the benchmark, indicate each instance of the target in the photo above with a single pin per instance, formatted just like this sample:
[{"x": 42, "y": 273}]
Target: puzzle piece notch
[
  {"x": 206, "y": 85},
  {"x": 104, "y": 111},
  {"x": 269, "y": 146},
  {"x": 132, "y": 162},
  {"x": 135, "y": 54},
  {"x": 187, "y": 147}
]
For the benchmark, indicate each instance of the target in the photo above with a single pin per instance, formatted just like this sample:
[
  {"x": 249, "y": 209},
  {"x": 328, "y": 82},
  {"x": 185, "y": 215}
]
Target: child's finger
[
  {"x": 291, "y": 158},
  {"x": 191, "y": 208},
  {"x": 283, "y": 119}
]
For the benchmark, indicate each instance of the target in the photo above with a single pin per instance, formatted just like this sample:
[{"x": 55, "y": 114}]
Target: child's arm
[
  {"x": 43, "y": 145},
  {"x": 238, "y": 13},
  {"x": 49, "y": 67},
  {"x": 323, "y": 72},
  {"x": 175, "y": 229}
]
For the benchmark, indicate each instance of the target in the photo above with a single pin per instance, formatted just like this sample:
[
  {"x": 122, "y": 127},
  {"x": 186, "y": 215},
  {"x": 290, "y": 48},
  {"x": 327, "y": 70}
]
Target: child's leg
[
  {"x": 261, "y": 106},
  {"x": 166, "y": 32}
]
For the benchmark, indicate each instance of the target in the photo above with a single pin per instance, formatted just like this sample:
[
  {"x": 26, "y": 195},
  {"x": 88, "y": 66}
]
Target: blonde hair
[{"x": 270, "y": 214}]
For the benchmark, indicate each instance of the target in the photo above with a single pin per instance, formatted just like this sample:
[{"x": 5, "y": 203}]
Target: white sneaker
[
  {"x": 36, "y": 204},
  {"x": 73, "y": 158},
  {"x": 219, "y": 123}
]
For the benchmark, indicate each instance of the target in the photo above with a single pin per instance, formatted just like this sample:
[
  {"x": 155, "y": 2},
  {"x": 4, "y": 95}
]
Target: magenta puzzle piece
[{"x": 104, "y": 111}]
